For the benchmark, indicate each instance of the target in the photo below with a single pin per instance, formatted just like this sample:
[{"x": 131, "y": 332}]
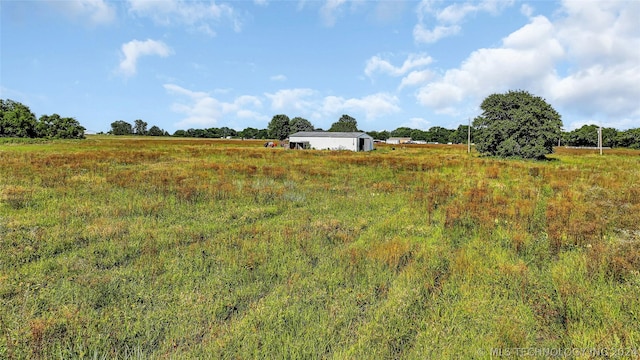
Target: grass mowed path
[{"x": 181, "y": 248}]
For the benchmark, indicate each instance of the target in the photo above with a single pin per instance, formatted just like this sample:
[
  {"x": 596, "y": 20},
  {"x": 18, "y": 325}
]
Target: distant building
[
  {"x": 353, "y": 141},
  {"x": 399, "y": 140}
]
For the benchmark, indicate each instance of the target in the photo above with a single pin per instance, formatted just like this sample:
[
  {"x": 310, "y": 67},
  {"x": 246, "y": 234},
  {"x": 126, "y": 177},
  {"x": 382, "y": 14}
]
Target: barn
[{"x": 320, "y": 140}]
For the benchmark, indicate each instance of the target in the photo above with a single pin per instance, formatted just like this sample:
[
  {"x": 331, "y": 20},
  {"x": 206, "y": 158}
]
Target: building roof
[{"x": 329, "y": 134}]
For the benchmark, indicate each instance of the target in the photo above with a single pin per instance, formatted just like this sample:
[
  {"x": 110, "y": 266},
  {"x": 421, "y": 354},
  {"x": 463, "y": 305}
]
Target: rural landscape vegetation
[{"x": 186, "y": 246}]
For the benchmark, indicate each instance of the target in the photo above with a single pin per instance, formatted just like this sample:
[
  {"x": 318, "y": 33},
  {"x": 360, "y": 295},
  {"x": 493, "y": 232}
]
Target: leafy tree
[
  {"x": 253, "y": 133},
  {"x": 121, "y": 127},
  {"x": 225, "y": 132},
  {"x": 516, "y": 124},
  {"x": 439, "y": 134},
  {"x": 279, "y": 127},
  {"x": 609, "y": 137},
  {"x": 401, "y": 132},
  {"x": 299, "y": 124},
  {"x": 379, "y": 135},
  {"x": 262, "y": 134},
  {"x": 155, "y": 131},
  {"x": 57, "y": 127},
  {"x": 249, "y": 133},
  {"x": 419, "y": 135},
  {"x": 587, "y": 135},
  {"x": 345, "y": 124},
  {"x": 140, "y": 127},
  {"x": 16, "y": 120},
  {"x": 629, "y": 138},
  {"x": 460, "y": 135}
]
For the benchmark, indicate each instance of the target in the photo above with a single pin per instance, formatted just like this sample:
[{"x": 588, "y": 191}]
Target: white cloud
[
  {"x": 602, "y": 41},
  {"x": 416, "y": 78},
  {"x": 526, "y": 10},
  {"x": 417, "y": 123},
  {"x": 98, "y": 12},
  {"x": 291, "y": 99},
  {"x": 377, "y": 64},
  {"x": 196, "y": 15},
  {"x": 424, "y": 35},
  {"x": 134, "y": 49},
  {"x": 455, "y": 13},
  {"x": 525, "y": 60},
  {"x": 202, "y": 110},
  {"x": 605, "y": 33},
  {"x": 448, "y": 19},
  {"x": 584, "y": 63},
  {"x": 372, "y": 106}
]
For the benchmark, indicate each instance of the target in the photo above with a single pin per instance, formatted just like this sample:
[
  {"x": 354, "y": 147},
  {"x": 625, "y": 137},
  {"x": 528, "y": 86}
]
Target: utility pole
[
  {"x": 600, "y": 139},
  {"x": 469, "y": 137}
]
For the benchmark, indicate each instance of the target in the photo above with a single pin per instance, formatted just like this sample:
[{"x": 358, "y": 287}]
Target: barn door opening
[{"x": 360, "y": 144}]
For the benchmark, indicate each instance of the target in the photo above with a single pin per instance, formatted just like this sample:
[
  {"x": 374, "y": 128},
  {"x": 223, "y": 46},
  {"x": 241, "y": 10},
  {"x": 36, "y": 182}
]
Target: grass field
[{"x": 181, "y": 248}]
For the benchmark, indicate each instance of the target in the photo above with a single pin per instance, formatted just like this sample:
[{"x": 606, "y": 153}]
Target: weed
[{"x": 190, "y": 248}]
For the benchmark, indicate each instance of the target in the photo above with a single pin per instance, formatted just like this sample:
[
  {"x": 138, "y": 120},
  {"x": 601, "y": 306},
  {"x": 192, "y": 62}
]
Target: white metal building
[
  {"x": 398, "y": 140},
  {"x": 320, "y": 140}
]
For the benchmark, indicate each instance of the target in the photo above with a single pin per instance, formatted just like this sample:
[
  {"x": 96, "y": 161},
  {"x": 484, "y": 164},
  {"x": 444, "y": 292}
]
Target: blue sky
[{"x": 198, "y": 64}]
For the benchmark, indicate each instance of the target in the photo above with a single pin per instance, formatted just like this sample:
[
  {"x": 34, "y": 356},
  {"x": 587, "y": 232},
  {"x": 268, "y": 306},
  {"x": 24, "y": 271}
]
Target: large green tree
[
  {"x": 587, "y": 135},
  {"x": 629, "y": 138},
  {"x": 279, "y": 127},
  {"x": 140, "y": 127},
  {"x": 57, "y": 127},
  {"x": 345, "y": 124},
  {"x": 155, "y": 131},
  {"x": 439, "y": 134},
  {"x": 516, "y": 124},
  {"x": 300, "y": 124},
  {"x": 121, "y": 127},
  {"x": 16, "y": 120}
]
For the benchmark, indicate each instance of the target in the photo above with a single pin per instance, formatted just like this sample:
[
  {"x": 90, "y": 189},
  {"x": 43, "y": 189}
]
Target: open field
[{"x": 176, "y": 248}]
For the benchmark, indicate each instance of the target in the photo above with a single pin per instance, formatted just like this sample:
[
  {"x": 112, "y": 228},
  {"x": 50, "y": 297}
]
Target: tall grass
[{"x": 179, "y": 248}]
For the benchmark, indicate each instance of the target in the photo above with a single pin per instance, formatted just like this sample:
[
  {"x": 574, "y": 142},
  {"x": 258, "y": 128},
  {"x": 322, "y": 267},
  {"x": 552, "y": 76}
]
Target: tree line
[
  {"x": 139, "y": 127},
  {"x": 281, "y": 126},
  {"x": 17, "y": 120}
]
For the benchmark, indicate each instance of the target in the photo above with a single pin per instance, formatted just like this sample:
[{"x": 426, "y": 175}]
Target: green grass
[{"x": 181, "y": 248}]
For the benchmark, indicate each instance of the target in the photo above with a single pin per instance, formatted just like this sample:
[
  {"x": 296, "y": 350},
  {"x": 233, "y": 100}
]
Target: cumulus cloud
[
  {"x": 195, "y": 15},
  {"x": 416, "y": 78},
  {"x": 372, "y": 106},
  {"x": 527, "y": 58},
  {"x": 203, "y": 110},
  {"x": 296, "y": 99},
  {"x": 134, "y": 49},
  {"x": 584, "y": 62}
]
